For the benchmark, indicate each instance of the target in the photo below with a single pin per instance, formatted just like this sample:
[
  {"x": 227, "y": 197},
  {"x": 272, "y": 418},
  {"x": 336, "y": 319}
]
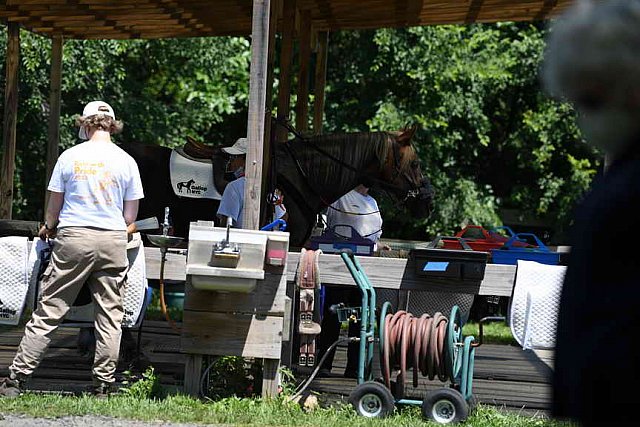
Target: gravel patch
[{"x": 84, "y": 421}]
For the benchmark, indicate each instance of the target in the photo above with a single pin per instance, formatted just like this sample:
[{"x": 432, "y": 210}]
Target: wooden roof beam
[
  {"x": 474, "y": 11},
  {"x": 171, "y": 6},
  {"x": 211, "y": 13},
  {"x": 325, "y": 9}
]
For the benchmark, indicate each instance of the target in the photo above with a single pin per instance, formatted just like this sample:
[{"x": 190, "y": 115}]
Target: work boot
[
  {"x": 11, "y": 387},
  {"x": 101, "y": 391}
]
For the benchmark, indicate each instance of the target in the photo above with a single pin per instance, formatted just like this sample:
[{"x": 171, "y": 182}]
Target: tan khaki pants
[{"x": 80, "y": 254}]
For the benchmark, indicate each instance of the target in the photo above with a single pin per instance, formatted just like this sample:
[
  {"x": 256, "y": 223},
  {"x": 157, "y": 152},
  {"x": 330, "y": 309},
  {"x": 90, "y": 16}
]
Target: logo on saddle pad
[
  {"x": 5, "y": 312},
  {"x": 189, "y": 187}
]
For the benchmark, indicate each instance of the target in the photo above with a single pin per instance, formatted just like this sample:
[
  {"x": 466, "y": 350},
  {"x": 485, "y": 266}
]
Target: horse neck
[{"x": 328, "y": 178}]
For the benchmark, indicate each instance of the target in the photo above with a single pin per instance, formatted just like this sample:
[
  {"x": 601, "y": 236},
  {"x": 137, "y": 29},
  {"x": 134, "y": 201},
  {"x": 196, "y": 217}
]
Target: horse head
[{"x": 402, "y": 175}]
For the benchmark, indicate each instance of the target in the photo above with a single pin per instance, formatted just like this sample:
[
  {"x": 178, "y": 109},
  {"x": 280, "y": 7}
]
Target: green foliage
[
  {"x": 490, "y": 139},
  {"x": 231, "y": 376},
  {"x": 288, "y": 381},
  {"x": 164, "y": 90},
  {"x": 146, "y": 386}
]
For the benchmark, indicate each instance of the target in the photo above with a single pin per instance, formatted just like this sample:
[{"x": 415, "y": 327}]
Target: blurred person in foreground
[{"x": 593, "y": 61}]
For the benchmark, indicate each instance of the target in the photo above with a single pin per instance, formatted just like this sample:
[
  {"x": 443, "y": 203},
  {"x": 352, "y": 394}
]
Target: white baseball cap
[
  {"x": 94, "y": 108},
  {"x": 237, "y": 149}
]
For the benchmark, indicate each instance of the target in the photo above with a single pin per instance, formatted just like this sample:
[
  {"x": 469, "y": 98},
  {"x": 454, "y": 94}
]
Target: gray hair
[{"x": 594, "y": 43}]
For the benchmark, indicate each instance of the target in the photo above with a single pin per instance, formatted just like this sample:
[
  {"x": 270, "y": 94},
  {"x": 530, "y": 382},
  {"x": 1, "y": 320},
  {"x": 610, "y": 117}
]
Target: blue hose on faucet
[{"x": 281, "y": 223}]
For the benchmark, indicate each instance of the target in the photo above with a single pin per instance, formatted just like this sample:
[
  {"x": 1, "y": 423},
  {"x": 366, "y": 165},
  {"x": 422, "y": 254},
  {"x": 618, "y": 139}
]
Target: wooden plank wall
[
  {"x": 503, "y": 375},
  {"x": 236, "y": 324},
  {"x": 384, "y": 273}
]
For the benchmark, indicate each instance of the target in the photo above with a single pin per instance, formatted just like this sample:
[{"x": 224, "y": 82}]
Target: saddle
[
  {"x": 199, "y": 150},
  {"x": 308, "y": 282}
]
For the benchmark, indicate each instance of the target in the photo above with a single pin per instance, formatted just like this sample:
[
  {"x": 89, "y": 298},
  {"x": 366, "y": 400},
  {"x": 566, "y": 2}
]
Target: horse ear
[{"x": 407, "y": 134}]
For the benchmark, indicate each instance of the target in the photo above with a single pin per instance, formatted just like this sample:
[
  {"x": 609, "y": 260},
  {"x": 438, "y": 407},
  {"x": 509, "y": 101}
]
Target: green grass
[
  {"x": 494, "y": 333},
  {"x": 253, "y": 412}
]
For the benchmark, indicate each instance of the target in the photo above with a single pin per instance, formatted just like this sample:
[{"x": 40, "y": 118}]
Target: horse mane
[{"x": 354, "y": 149}]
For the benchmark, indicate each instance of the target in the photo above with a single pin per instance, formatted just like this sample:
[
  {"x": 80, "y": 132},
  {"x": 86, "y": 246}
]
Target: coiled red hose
[{"x": 412, "y": 342}]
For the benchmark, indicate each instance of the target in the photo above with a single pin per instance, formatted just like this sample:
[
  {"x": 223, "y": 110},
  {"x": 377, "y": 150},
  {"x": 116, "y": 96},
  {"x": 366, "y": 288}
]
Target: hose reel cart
[{"x": 432, "y": 346}]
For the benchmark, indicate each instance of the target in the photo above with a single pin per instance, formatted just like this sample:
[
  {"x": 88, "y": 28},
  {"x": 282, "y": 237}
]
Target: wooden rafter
[{"x": 188, "y": 18}]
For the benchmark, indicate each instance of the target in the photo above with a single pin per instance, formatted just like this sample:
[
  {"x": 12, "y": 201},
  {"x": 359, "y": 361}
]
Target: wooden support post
[
  {"x": 320, "y": 82},
  {"x": 192, "y": 372},
  {"x": 10, "y": 120},
  {"x": 257, "y": 102},
  {"x": 302, "y": 103},
  {"x": 276, "y": 11},
  {"x": 53, "y": 143},
  {"x": 270, "y": 377},
  {"x": 286, "y": 54}
]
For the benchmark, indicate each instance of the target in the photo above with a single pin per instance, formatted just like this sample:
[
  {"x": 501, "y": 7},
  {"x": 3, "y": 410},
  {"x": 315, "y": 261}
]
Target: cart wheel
[
  {"x": 445, "y": 406},
  {"x": 372, "y": 400},
  {"x": 380, "y": 380}
]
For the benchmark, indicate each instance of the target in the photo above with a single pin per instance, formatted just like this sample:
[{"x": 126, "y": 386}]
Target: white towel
[
  {"x": 14, "y": 284},
  {"x": 534, "y": 306}
]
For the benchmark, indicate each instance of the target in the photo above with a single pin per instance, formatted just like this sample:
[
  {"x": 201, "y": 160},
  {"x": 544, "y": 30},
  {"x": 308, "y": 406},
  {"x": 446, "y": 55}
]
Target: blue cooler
[
  {"x": 509, "y": 254},
  {"x": 339, "y": 237}
]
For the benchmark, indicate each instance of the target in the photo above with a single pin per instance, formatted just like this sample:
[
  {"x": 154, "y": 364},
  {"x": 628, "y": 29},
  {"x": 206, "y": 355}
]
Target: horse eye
[{"x": 415, "y": 164}]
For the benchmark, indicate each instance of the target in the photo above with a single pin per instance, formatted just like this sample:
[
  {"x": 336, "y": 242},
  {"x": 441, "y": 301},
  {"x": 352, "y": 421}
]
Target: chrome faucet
[{"x": 165, "y": 224}]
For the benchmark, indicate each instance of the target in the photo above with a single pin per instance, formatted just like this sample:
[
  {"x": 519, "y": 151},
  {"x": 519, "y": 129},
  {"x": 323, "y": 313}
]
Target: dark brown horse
[{"x": 311, "y": 172}]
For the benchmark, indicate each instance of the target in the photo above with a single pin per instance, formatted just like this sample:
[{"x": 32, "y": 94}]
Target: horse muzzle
[{"x": 420, "y": 201}]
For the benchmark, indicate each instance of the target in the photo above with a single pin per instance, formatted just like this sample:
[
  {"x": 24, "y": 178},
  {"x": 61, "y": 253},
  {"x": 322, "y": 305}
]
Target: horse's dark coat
[{"x": 308, "y": 184}]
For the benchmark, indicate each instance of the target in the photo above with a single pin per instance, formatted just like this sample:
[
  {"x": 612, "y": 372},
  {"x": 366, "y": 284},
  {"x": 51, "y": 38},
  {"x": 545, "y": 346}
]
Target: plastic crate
[
  {"x": 509, "y": 254},
  {"x": 464, "y": 265},
  {"x": 340, "y": 237},
  {"x": 480, "y": 239}
]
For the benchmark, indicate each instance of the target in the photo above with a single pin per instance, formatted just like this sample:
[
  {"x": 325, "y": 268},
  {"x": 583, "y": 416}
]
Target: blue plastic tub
[
  {"x": 340, "y": 237},
  {"x": 509, "y": 254}
]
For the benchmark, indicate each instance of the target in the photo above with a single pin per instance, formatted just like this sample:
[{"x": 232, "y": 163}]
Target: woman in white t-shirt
[{"x": 94, "y": 191}]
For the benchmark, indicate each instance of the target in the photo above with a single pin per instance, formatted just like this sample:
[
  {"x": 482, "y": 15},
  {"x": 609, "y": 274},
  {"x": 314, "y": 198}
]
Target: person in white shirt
[
  {"x": 94, "y": 192},
  {"x": 232, "y": 202},
  {"x": 359, "y": 210}
]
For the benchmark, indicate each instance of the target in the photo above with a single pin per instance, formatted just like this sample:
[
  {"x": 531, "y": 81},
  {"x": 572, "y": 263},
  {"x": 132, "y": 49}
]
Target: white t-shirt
[
  {"x": 96, "y": 177},
  {"x": 342, "y": 211}
]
